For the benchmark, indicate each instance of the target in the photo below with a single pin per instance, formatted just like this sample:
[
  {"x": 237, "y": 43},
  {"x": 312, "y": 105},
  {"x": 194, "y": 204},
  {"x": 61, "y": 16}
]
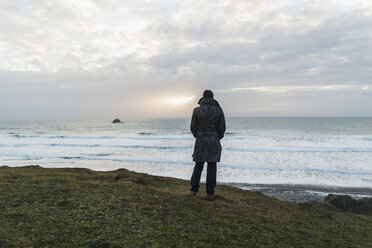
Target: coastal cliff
[{"x": 73, "y": 207}]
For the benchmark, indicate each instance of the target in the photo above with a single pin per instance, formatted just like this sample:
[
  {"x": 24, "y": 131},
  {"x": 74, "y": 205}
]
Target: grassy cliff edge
[{"x": 73, "y": 207}]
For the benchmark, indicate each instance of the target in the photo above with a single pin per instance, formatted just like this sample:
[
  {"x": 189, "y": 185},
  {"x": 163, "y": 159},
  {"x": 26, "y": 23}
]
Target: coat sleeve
[
  {"x": 221, "y": 127},
  {"x": 194, "y": 124}
]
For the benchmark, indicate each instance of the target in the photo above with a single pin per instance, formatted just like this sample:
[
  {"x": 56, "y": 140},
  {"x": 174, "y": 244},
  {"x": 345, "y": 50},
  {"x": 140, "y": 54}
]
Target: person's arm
[
  {"x": 221, "y": 128},
  {"x": 194, "y": 124}
]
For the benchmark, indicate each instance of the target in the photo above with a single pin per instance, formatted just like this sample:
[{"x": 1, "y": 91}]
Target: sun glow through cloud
[
  {"x": 175, "y": 100},
  {"x": 180, "y": 100}
]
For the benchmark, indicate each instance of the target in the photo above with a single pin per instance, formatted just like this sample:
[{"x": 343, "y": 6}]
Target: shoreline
[{"x": 302, "y": 193}]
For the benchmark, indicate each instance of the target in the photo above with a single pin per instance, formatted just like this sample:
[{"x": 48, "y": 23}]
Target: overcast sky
[{"x": 148, "y": 59}]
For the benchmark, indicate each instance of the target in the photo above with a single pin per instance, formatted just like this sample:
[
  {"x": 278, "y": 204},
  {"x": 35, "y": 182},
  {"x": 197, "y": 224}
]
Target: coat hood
[{"x": 208, "y": 101}]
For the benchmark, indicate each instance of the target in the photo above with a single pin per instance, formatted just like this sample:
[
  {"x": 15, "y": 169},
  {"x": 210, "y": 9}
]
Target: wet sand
[{"x": 303, "y": 193}]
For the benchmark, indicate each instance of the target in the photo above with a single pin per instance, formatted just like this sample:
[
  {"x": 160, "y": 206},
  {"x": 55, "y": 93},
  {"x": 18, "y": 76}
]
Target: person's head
[{"x": 208, "y": 94}]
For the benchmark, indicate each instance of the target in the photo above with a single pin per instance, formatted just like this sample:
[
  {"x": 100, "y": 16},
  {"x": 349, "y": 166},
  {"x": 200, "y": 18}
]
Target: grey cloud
[
  {"x": 331, "y": 47},
  {"x": 116, "y": 53}
]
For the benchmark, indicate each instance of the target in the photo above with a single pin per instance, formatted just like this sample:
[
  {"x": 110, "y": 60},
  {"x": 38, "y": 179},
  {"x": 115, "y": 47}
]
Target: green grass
[{"x": 82, "y": 208}]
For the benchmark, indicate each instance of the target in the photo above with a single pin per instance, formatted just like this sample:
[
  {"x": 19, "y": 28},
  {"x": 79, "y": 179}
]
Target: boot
[
  {"x": 209, "y": 197},
  {"x": 193, "y": 193}
]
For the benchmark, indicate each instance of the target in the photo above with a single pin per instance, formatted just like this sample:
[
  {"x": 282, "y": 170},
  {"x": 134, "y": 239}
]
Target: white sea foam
[{"x": 296, "y": 152}]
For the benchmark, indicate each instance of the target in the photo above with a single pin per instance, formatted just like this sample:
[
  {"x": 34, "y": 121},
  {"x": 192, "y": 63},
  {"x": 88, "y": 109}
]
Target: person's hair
[{"x": 208, "y": 94}]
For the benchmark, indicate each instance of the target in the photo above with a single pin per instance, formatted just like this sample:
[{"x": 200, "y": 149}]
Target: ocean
[{"x": 318, "y": 155}]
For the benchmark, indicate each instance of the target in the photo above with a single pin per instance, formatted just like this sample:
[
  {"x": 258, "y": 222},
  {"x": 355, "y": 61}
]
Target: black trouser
[{"x": 211, "y": 177}]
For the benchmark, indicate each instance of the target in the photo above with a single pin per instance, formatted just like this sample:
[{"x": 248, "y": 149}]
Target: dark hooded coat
[{"x": 208, "y": 127}]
